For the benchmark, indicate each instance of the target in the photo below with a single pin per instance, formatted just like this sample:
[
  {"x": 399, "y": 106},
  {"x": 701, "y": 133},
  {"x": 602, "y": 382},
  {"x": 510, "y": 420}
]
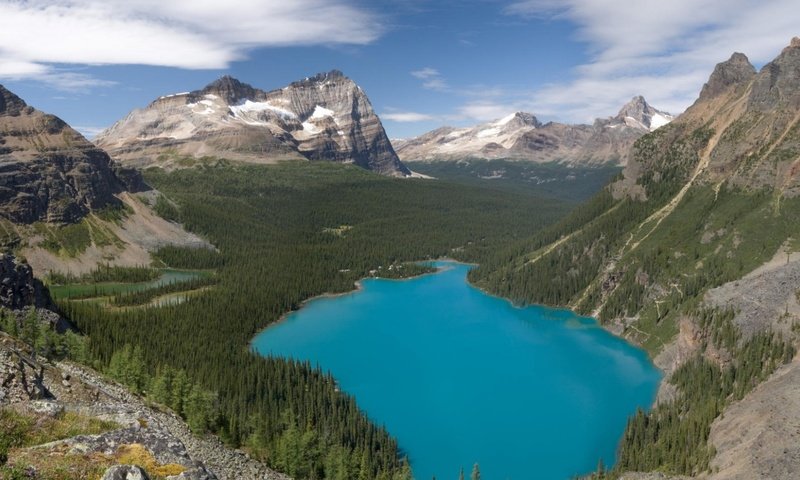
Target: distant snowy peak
[
  {"x": 520, "y": 136},
  {"x": 518, "y": 120},
  {"x": 639, "y": 114}
]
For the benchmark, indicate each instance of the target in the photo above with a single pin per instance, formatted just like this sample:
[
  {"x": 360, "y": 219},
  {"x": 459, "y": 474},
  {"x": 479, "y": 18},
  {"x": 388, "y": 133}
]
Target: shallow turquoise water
[{"x": 460, "y": 377}]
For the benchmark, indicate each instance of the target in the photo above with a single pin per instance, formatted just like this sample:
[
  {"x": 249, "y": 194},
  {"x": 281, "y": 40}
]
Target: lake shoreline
[
  {"x": 357, "y": 287},
  {"x": 467, "y": 325}
]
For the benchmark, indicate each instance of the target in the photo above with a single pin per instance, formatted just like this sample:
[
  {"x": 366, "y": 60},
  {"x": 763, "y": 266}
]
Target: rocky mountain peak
[
  {"x": 48, "y": 171},
  {"x": 335, "y": 77},
  {"x": 637, "y": 113},
  {"x": 635, "y": 108},
  {"x": 230, "y": 89},
  {"x": 736, "y": 70},
  {"x": 778, "y": 83},
  {"x": 10, "y": 104},
  {"x": 519, "y": 120},
  {"x": 324, "y": 117}
]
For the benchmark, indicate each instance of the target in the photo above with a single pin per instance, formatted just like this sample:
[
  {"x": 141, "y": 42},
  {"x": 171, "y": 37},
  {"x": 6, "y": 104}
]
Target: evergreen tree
[
  {"x": 31, "y": 330},
  {"x": 476, "y": 473}
]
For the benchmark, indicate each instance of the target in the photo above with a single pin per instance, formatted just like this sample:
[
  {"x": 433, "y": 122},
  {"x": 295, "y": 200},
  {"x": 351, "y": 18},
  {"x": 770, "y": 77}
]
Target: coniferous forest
[{"x": 286, "y": 233}]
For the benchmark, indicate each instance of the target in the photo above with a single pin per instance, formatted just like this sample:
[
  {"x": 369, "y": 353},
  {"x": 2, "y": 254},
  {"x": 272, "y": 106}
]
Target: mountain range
[
  {"x": 326, "y": 117},
  {"x": 521, "y": 136}
]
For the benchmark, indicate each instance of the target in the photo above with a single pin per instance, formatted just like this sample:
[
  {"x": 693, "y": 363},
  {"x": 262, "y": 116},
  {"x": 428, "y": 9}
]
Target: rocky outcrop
[
  {"x": 30, "y": 384},
  {"x": 20, "y": 292},
  {"x": 125, "y": 472},
  {"x": 18, "y": 288},
  {"x": 323, "y": 118},
  {"x": 48, "y": 171},
  {"x": 735, "y": 71},
  {"x": 521, "y": 136}
]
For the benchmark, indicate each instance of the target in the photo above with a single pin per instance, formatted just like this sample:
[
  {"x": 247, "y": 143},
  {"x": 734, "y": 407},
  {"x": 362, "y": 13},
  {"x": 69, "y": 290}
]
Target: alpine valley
[{"x": 141, "y": 273}]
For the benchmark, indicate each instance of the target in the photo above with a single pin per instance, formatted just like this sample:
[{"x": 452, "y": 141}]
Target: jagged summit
[
  {"x": 734, "y": 71},
  {"x": 639, "y": 114},
  {"x": 10, "y": 104},
  {"x": 778, "y": 82},
  {"x": 229, "y": 88},
  {"x": 519, "y": 119},
  {"x": 326, "y": 117}
]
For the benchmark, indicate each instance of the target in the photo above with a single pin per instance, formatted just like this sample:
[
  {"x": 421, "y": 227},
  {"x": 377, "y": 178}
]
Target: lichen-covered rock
[
  {"x": 125, "y": 472},
  {"x": 48, "y": 171},
  {"x": 326, "y": 117}
]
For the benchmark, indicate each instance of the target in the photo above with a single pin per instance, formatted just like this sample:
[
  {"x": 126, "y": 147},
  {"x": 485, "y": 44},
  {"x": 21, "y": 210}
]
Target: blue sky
[{"x": 423, "y": 63}]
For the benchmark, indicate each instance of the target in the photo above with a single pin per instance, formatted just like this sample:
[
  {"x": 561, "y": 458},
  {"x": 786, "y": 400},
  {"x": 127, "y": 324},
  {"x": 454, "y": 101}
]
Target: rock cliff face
[
  {"x": 521, "y": 136},
  {"x": 48, "y": 171},
  {"x": 18, "y": 288},
  {"x": 326, "y": 117}
]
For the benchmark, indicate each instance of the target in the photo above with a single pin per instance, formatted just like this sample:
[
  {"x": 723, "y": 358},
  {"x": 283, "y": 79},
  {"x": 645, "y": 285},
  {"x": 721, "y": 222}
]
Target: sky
[{"x": 423, "y": 63}]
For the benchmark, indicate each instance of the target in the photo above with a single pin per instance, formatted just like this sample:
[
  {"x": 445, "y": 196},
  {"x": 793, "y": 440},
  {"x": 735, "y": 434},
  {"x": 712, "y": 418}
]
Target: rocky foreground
[{"x": 33, "y": 386}]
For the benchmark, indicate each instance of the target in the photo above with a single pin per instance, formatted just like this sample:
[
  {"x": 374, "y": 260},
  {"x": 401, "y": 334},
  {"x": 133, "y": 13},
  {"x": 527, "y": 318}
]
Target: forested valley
[{"x": 284, "y": 234}]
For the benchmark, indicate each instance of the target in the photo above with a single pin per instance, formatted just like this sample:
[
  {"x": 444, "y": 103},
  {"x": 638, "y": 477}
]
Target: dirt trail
[
  {"x": 563, "y": 239},
  {"x": 702, "y": 165}
]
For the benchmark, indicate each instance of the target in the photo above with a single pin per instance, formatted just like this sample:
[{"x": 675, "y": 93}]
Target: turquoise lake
[{"x": 460, "y": 377}]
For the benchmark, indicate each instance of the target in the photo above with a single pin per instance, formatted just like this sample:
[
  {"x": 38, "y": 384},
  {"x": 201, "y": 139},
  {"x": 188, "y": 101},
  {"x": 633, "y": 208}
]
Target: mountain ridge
[
  {"x": 521, "y": 136},
  {"x": 50, "y": 172},
  {"x": 326, "y": 117}
]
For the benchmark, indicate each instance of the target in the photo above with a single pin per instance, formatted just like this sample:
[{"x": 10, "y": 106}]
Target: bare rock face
[
  {"x": 18, "y": 288},
  {"x": 520, "y": 136},
  {"x": 758, "y": 437},
  {"x": 48, "y": 171},
  {"x": 326, "y": 118},
  {"x": 777, "y": 85},
  {"x": 736, "y": 70}
]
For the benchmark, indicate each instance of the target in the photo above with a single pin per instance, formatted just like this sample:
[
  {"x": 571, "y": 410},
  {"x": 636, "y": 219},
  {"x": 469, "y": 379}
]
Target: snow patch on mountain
[{"x": 244, "y": 110}]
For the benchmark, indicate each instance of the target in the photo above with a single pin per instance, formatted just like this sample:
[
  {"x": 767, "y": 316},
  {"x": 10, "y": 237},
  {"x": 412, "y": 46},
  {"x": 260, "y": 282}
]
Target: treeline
[
  {"x": 271, "y": 226},
  {"x": 106, "y": 273},
  {"x": 142, "y": 297}
]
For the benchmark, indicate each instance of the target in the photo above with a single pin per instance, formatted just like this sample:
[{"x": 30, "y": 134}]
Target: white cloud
[
  {"x": 662, "y": 50},
  {"x": 484, "y": 111},
  {"x": 89, "y": 131},
  {"x": 408, "y": 117},
  {"x": 192, "y": 34},
  {"x": 431, "y": 78}
]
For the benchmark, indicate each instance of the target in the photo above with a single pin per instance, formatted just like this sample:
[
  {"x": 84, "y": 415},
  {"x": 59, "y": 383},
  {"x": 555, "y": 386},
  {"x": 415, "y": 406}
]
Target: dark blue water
[{"x": 459, "y": 377}]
